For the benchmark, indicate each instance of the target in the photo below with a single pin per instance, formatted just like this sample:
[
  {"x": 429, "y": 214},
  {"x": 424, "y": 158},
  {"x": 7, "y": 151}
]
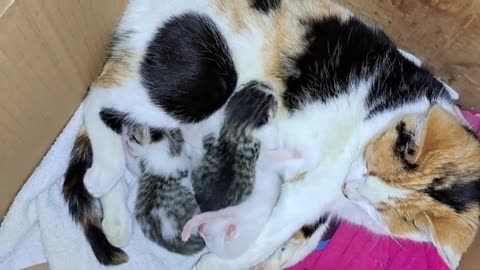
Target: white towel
[{"x": 38, "y": 227}]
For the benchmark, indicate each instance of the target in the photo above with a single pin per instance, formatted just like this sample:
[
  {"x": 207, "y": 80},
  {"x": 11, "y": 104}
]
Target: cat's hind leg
[
  {"x": 108, "y": 157},
  {"x": 117, "y": 220}
]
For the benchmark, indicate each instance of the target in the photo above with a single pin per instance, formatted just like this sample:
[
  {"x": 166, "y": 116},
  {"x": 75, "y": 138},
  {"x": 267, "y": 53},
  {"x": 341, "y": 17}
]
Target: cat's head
[
  {"x": 250, "y": 108},
  {"x": 421, "y": 179}
]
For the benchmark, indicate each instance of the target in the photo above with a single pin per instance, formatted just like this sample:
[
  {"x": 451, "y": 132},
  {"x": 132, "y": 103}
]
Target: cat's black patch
[
  {"x": 187, "y": 68},
  {"x": 114, "y": 119},
  {"x": 310, "y": 229},
  {"x": 401, "y": 146},
  {"x": 332, "y": 228},
  {"x": 156, "y": 134},
  {"x": 266, "y": 6},
  {"x": 460, "y": 196},
  {"x": 340, "y": 54}
]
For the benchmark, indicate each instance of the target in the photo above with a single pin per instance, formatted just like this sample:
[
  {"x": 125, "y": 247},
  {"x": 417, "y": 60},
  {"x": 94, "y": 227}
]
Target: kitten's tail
[{"x": 83, "y": 207}]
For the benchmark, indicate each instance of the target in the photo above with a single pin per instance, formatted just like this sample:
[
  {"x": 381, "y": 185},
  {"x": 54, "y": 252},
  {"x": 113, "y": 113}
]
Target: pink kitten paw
[{"x": 230, "y": 233}]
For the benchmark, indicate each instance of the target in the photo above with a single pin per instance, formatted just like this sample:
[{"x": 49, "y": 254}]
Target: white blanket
[{"x": 38, "y": 228}]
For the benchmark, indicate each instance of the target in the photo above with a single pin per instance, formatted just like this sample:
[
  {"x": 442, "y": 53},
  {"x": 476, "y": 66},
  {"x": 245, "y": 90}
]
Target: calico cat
[
  {"x": 165, "y": 201},
  {"x": 343, "y": 88},
  {"x": 235, "y": 190}
]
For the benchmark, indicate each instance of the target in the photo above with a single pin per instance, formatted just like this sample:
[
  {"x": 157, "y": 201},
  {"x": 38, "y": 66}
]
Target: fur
[
  {"x": 342, "y": 86},
  {"x": 165, "y": 200}
]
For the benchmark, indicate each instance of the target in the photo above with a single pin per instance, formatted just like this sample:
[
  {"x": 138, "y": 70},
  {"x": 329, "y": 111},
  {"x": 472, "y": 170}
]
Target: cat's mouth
[{"x": 351, "y": 192}]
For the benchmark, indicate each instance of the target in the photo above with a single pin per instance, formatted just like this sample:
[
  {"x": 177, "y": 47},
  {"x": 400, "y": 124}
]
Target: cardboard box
[{"x": 50, "y": 51}]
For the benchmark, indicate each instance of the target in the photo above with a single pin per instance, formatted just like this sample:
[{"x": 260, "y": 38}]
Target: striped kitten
[
  {"x": 165, "y": 200},
  {"x": 350, "y": 103}
]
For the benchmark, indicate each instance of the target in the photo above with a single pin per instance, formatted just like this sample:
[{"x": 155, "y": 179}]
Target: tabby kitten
[{"x": 165, "y": 201}]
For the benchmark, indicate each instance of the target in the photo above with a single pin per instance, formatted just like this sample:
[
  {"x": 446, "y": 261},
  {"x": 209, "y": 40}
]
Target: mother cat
[{"x": 356, "y": 108}]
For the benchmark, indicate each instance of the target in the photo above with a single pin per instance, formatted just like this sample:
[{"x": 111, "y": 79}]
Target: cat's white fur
[
  {"x": 294, "y": 250},
  {"x": 334, "y": 134},
  {"x": 330, "y": 136},
  {"x": 144, "y": 17}
]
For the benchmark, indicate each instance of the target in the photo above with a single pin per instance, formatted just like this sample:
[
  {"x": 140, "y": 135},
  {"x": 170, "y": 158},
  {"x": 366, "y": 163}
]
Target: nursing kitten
[
  {"x": 341, "y": 85},
  {"x": 226, "y": 175},
  {"x": 235, "y": 190},
  {"x": 165, "y": 201}
]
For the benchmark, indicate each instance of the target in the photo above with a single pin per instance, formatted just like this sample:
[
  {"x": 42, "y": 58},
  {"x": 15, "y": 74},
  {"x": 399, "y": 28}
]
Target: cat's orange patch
[
  {"x": 238, "y": 13},
  {"x": 117, "y": 68},
  {"x": 286, "y": 38},
  {"x": 441, "y": 156}
]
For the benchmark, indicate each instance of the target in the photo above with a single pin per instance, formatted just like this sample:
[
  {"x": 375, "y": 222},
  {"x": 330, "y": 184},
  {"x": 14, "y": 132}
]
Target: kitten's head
[
  {"x": 148, "y": 148},
  {"x": 421, "y": 178},
  {"x": 249, "y": 109}
]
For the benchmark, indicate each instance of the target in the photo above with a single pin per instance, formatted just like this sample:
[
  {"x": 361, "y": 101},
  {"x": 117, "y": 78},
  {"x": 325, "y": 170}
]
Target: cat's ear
[
  {"x": 432, "y": 229},
  {"x": 431, "y": 131}
]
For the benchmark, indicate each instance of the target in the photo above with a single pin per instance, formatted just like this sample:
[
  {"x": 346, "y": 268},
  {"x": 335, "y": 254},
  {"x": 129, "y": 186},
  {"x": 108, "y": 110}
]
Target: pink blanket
[{"x": 352, "y": 247}]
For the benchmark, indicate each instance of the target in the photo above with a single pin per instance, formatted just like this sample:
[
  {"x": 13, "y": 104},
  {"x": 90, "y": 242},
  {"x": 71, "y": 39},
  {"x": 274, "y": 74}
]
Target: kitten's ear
[
  {"x": 431, "y": 230},
  {"x": 432, "y": 130}
]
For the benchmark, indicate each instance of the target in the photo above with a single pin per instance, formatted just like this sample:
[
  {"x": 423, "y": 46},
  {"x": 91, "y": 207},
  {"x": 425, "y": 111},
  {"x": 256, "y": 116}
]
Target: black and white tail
[{"x": 84, "y": 208}]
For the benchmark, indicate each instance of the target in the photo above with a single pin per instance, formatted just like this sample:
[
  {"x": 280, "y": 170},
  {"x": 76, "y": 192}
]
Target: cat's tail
[{"x": 83, "y": 207}]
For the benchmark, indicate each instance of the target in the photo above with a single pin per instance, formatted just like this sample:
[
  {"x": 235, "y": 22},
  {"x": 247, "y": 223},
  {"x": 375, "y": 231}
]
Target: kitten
[
  {"x": 235, "y": 190},
  {"x": 165, "y": 201},
  {"x": 226, "y": 175},
  {"x": 340, "y": 85}
]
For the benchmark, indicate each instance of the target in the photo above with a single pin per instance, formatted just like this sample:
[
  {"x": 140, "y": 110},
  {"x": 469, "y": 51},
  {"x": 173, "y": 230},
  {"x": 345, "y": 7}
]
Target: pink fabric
[
  {"x": 353, "y": 247},
  {"x": 473, "y": 118}
]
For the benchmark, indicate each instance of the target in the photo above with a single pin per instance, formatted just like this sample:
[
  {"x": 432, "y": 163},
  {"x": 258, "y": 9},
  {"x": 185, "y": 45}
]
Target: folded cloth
[{"x": 38, "y": 227}]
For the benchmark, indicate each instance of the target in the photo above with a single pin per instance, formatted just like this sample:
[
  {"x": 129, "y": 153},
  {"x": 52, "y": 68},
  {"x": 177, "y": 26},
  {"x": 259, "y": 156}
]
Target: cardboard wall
[{"x": 50, "y": 51}]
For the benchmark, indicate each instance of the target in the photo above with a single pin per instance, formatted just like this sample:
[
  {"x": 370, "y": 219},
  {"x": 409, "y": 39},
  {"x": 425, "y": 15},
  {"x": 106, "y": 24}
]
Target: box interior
[{"x": 51, "y": 50}]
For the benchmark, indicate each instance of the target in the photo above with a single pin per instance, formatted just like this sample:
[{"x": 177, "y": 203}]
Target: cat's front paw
[
  {"x": 211, "y": 262},
  {"x": 118, "y": 228},
  {"x": 351, "y": 190},
  {"x": 100, "y": 180}
]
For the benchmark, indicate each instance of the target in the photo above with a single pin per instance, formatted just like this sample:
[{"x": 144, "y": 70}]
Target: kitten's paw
[
  {"x": 99, "y": 181},
  {"x": 194, "y": 224},
  {"x": 230, "y": 233},
  {"x": 118, "y": 229}
]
